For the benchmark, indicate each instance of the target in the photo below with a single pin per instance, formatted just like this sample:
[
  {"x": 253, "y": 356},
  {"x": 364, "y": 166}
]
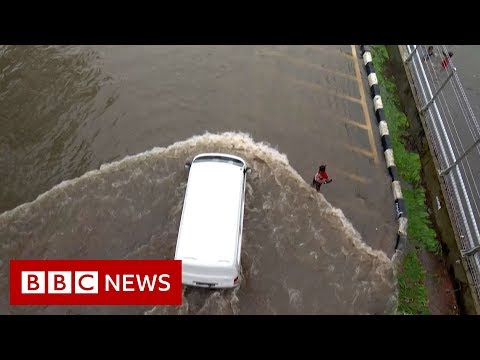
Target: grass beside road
[{"x": 411, "y": 279}]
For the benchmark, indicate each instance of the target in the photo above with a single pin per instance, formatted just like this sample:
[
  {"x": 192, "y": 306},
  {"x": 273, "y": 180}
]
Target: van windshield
[{"x": 220, "y": 159}]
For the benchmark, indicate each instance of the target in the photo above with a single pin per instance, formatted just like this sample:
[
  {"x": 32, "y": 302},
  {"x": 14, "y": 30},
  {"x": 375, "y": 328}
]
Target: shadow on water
[
  {"x": 47, "y": 97},
  {"x": 300, "y": 255}
]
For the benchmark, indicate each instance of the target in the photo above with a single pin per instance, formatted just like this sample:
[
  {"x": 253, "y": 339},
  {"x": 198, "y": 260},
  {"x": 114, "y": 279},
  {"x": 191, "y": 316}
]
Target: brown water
[{"x": 67, "y": 110}]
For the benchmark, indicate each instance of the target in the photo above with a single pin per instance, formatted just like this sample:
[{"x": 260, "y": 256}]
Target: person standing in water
[{"x": 321, "y": 177}]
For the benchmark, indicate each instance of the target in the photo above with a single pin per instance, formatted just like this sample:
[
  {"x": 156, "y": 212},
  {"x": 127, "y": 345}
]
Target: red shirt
[
  {"x": 445, "y": 62},
  {"x": 321, "y": 176}
]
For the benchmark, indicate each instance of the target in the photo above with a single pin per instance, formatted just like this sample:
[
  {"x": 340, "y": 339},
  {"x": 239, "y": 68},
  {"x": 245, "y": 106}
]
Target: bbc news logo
[
  {"x": 95, "y": 282},
  {"x": 59, "y": 282}
]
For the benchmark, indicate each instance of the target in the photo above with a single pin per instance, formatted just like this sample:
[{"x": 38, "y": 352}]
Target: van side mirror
[
  {"x": 248, "y": 170},
  {"x": 188, "y": 164}
]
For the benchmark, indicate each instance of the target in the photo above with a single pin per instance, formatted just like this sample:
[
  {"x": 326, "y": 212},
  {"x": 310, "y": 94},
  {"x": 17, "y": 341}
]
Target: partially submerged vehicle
[{"x": 209, "y": 239}]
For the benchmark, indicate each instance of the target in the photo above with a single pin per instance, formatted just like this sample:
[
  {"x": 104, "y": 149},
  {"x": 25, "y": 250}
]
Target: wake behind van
[{"x": 209, "y": 239}]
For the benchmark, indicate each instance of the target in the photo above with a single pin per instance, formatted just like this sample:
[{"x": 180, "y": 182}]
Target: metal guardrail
[{"x": 454, "y": 134}]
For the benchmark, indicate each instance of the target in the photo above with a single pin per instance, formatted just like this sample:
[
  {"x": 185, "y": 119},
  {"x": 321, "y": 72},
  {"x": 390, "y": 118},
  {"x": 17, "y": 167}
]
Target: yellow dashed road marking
[
  {"x": 322, "y": 89},
  {"x": 354, "y": 177},
  {"x": 335, "y": 52},
  {"x": 360, "y": 151},
  {"x": 301, "y": 62},
  {"x": 364, "y": 107},
  {"x": 329, "y": 114},
  {"x": 354, "y": 123}
]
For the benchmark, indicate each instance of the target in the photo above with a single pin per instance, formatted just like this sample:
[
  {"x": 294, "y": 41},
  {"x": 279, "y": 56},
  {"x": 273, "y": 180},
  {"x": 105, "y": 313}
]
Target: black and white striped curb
[{"x": 401, "y": 239}]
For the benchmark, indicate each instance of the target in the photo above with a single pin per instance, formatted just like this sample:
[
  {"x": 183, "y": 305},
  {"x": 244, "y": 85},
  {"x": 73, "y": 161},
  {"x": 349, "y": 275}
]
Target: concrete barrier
[{"x": 399, "y": 202}]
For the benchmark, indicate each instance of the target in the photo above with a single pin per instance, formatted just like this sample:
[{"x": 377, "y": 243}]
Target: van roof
[
  {"x": 219, "y": 156},
  {"x": 211, "y": 216}
]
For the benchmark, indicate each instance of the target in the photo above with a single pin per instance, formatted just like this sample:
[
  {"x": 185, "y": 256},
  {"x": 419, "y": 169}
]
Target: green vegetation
[{"x": 413, "y": 295}]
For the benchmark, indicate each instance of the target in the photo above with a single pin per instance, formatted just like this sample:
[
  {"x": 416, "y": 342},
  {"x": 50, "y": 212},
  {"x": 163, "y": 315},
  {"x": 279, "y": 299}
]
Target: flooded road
[{"x": 67, "y": 110}]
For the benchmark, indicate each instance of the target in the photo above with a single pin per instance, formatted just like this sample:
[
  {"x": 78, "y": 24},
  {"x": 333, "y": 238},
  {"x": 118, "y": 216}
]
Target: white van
[{"x": 210, "y": 234}]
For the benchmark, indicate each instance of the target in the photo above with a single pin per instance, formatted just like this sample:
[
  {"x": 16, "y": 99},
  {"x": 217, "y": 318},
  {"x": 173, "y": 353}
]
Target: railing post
[
  {"x": 409, "y": 57},
  {"x": 423, "y": 109},
  {"x": 470, "y": 252},
  {"x": 447, "y": 170}
]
